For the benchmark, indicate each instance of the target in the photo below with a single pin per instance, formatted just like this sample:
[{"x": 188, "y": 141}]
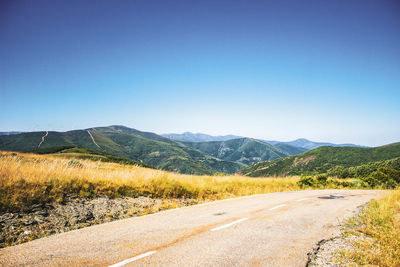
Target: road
[
  {"x": 276, "y": 229},
  {"x": 43, "y": 137},
  {"x": 91, "y": 136}
]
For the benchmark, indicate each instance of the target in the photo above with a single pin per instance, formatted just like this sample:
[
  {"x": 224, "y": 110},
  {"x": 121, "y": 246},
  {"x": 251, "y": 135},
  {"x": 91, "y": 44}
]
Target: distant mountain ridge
[
  {"x": 302, "y": 143},
  {"x": 10, "y": 133},
  {"x": 199, "y": 137},
  {"x": 307, "y": 144},
  {"x": 243, "y": 150}
]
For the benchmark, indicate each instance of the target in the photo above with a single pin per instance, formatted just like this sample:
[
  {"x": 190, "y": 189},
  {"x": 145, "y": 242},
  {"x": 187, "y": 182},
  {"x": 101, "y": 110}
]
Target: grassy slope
[
  {"x": 29, "y": 179},
  {"x": 244, "y": 150},
  {"x": 321, "y": 159},
  {"x": 85, "y": 153},
  {"x": 150, "y": 148}
]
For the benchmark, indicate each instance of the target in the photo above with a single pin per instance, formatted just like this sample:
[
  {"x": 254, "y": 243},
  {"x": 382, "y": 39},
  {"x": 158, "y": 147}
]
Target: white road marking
[
  {"x": 43, "y": 137},
  {"x": 94, "y": 142},
  {"x": 277, "y": 207},
  {"x": 138, "y": 257},
  {"x": 229, "y": 224},
  {"x": 301, "y": 199}
]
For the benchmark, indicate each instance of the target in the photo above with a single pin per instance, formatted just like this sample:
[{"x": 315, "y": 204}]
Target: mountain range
[
  {"x": 243, "y": 150},
  {"x": 199, "y": 137},
  {"x": 307, "y": 144},
  {"x": 228, "y": 154},
  {"x": 149, "y": 148},
  {"x": 299, "y": 143},
  {"x": 9, "y": 133}
]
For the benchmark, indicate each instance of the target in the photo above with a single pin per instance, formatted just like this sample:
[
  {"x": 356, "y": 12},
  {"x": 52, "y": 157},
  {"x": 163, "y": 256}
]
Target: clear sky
[{"x": 322, "y": 70}]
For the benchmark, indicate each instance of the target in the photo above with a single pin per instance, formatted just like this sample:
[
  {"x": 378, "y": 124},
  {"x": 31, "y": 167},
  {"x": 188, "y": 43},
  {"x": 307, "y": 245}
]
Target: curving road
[
  {"x": 43, "y": 137},
  {"x": 276, "y": 229},
  {"x": 91, "y": 136}
]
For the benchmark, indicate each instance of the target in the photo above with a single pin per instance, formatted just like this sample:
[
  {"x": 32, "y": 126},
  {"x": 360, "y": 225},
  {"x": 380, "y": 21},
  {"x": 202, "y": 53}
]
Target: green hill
[
  {"x": 364, "y": 170},
  {"x": 243, "y": 150},
  {"x": 149, "y": 148},
  {"x": 322, "y": 160}
]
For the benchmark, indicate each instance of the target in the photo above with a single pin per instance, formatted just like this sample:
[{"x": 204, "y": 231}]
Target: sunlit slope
[
  {"x": 149, "y": 148},
  {"x": 322, "y": 159},
  {"x": 29, "y": 179}
]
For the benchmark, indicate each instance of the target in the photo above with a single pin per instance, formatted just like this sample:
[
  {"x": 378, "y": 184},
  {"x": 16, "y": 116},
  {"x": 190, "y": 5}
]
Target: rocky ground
[
  {"x": 327, "y": 251},
  {"x": 74, "y": 213}
]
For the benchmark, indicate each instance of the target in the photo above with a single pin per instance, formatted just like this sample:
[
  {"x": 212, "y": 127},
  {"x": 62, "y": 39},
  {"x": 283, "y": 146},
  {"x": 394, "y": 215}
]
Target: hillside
[
  {"x": 150, "y": 148},
  {"x": 322, "y": 159},
  {"x": 244, "y": 150}
]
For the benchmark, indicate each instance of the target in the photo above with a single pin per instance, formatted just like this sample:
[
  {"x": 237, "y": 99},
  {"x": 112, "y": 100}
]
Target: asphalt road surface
[{"x": 276, "y": 229}]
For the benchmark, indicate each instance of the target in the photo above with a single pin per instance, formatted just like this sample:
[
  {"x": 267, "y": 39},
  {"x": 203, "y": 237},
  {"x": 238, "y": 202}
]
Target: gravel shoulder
[
  {"x": 75, "y": 213},
  {"x": 327, "y": 251}
]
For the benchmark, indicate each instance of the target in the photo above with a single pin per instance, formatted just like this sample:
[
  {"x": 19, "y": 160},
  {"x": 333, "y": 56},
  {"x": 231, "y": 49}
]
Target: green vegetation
[
  {"x": 379, "y": 228},
  {"x": 149, "y": 148},
  {"x": 322, "y": 181},
  {"x": 363, "y": 170},
  {"x": 323, "y": 160},
  {"x": 243, "y": 150}
]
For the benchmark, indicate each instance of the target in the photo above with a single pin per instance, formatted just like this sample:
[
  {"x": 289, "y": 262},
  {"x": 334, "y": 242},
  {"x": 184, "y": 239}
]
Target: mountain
[
  {"x": 290, "y": 149},
  {"x": 147, "y": 147},
  {"x": 307, "y": 144},
  {"x": 10, "y": 133},
  {"x": 199, "y": 137},
  {"x": 322, "y": 159},
  {"x": 302, "y": 144},
  {"x": 243, "y": 150}
]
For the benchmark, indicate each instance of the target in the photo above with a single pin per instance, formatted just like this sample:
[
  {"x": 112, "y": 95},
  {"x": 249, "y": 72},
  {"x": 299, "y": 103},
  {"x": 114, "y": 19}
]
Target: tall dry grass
[
  {"x": 379, "y": 225},
  {"x": 28, "y": 179}
]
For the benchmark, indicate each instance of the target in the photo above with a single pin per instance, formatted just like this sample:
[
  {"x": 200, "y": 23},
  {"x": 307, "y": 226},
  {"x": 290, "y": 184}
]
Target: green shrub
[
  {"x": 322, "y": 179},
  {"x": 383, "y": 177},
  {"x": 306, "y": 181}
]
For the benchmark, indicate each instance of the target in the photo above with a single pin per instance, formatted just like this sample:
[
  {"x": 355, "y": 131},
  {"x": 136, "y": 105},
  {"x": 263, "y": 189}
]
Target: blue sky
[{"x": 322, "y": 70}]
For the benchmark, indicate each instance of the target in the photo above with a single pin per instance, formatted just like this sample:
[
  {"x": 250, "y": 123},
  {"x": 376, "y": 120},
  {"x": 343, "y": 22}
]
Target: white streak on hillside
[
  {"x": 43, "y": 137},
  {"x": 94, "y": 142}
]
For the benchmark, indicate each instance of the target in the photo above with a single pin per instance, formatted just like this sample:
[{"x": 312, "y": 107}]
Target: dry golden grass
[
  {"x": 379, "y": 223},
  {"x": 27, "y": 179}
]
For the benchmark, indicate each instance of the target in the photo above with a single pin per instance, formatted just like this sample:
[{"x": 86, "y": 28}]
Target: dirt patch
[
  {"x": 303, "y": 161},
  {"x": 75, "y": 213}
]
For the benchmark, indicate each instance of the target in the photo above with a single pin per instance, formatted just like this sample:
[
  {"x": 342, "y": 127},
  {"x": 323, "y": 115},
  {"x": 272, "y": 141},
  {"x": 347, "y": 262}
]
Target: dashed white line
[
  {"x": 301, "y": 199},
  {"x": 43, "y": 137},
  {"x": 138, "y": 257},
  {"x": 229, "y": 224},
  {"x": 277, "y": 207}
]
